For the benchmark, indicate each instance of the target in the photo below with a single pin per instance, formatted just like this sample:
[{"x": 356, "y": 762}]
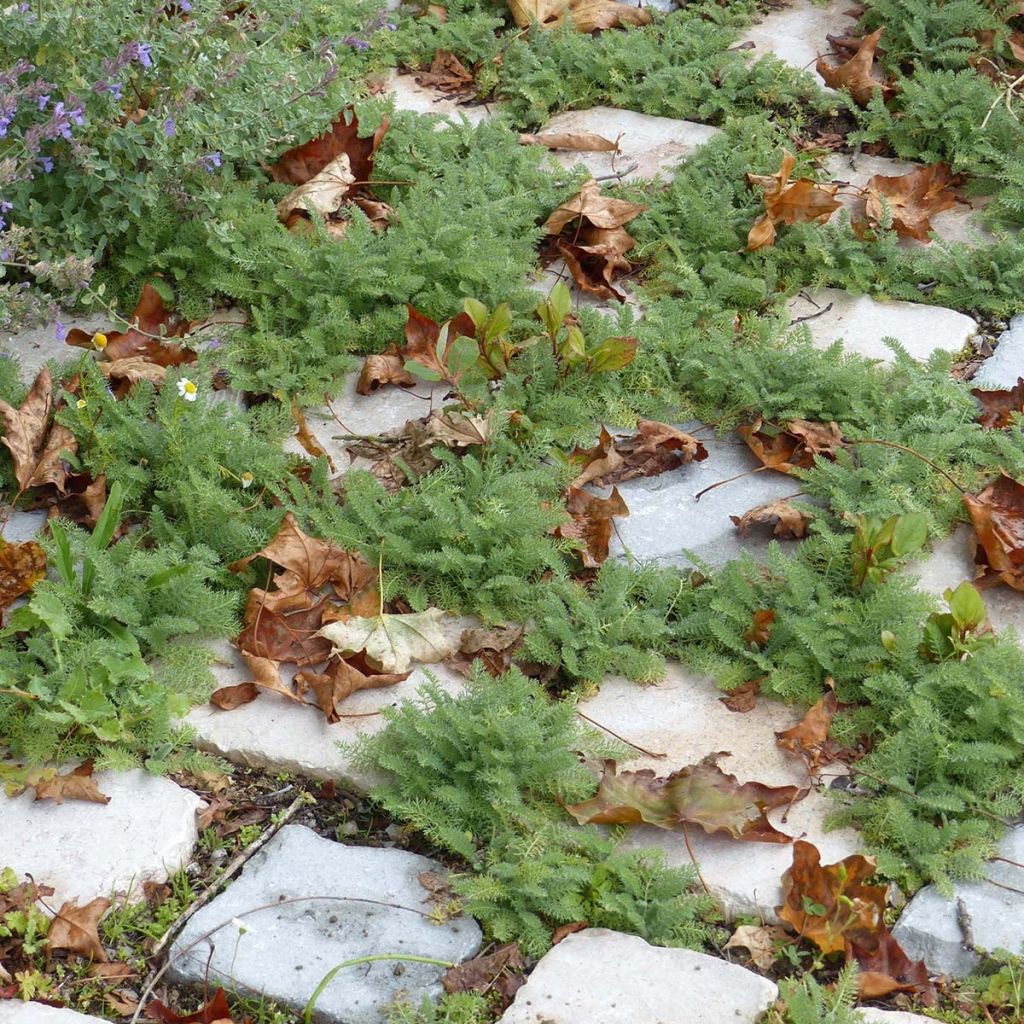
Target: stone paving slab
[
  {"x": 951, "y": 563},
  {"x": 23, "y": 525},
  {"x": 15, "y": 1011},
  {"x": 664, "y": 517},
  {"x": 961, "y": 223},
  {"x": 929, "y": 927},
  {"x": 796, "y": 32},
  {"x": 599, "y": 976},
  {"x": 85, "y": 850},
  {"x": 1003, "y": 368},
  {"x": 655, "y": 144},
  {"x": 323, "y": 903},
  {"x": 408, "y": 94},
  {"x": 870, "y": 1015},
  {"x": 34, "y": 346},
  {"x": 861, "y": 322},
  {"x": 683, "y": 717},
  {"x": 278, "y": 734}
]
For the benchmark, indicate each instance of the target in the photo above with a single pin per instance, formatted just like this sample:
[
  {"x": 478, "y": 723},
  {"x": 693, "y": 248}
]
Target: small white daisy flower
[
  {"x": 187, "y": 389},
  {"x": 81, "y": 403},
  {"x": 247, "y": 479},
  {"x": 241, "y": 926}
]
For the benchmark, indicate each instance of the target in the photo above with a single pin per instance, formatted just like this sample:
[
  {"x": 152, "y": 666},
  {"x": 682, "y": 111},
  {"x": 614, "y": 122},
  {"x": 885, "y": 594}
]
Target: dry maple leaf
[
  {"x": 789, "y": 202},
  {"x": 997, "y": 514},
  {"x": 793, "y": 445},
  {"x": 785, "y": 519},
  {"x": 591, "y": 523},
  {"x": 77, "y": 784},
  {"x": 214, "y": 1011},
  {"x": 132, "y": 369},
  {"x": 494, "y": 647},
  {"x": 847, "y": 908},
  {"x": 320, "y": 197},
  {"x": 341, "y": 678},
  {"x": 75, "y": 929},
  {"x": 579, "y": 142},
  {"x": 35, "y": 445},
  {"x": 762, "y": 942},
  {"x": 387, "y": 367},
  {"x": 759, "y": 631},
  {"x": 700, "y": 794},
  {"x": 999, "y": 406},
  {"x": 390, "y": 643},
  {"x": 501, "y": 971},
  {"x": 448, "y": 74},
  {"x": 912, "y": 199},
  {"x": 82, "y": 503},
  {"x": 594, "y": 267},
  {"x": 884, "y": 968},
  {"x": 586, "y": 15},
  {"x": 456, "y": 429},
  {"x": 743, "y": 698},
  {"x": 855, "y": 75},
  {"x": 149, "y": 325},
  {"x": 809, "y": 737},
  {"x": 22, "y": 566},
  {"x": 598, "y": 210}
]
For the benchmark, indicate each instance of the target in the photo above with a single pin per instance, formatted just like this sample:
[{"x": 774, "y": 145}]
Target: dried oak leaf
[
  {"x": 789, "y": 202},
  {"x": 846, "y": 908},
  {"x": 494, "y": 647},
  {"x": 77, "y": 784},
  {"x": 912, "y": 199},
  {"x": 387, "y": 367},
  {"x": 75, "y": 929},
  {"x": 300, "y": 164},
  {"x": 390, "y": 643},
  {"x": 448, "y": 74},
  {"x": 997, "y": 514},
  {"x": 785, "y": 519},
  {"x": 700, "y": 794},
  {"x": 578, "y": 142},
  {"x": 759, "y": 632},
  {"x": 151, "y": 323},
  {"x": 793, "y": 445},
  {"x": 591, "y": 523},
  {"x": 35, "y": 444},
  {"x": 883, "y": 968},
  {"x": 214, "y": 1011},
  {"x": 501, "y": 970},
  {"x": 998, "y": 406},
  {"x": 341, "y": 678},
  {"x": 22, "y": 566},
  {"x": 855, "y": 75},
  {"x": 809, "y": 737}
]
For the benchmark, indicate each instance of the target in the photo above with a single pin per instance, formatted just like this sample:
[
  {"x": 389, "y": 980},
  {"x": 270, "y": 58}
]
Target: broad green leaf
[
  {"x": 910, "y": 533},
  {"x": 613, "y": 354}
]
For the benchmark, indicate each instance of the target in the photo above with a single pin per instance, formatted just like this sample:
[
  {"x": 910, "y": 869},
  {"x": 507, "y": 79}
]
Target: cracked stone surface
[
  {"x": 929, "y": 929},
  {"x": 278, "y": 734},
  {"x": 85, "y": 850},
  {"x": 408, "y": 94},
  {"x": 14, "y": 1011},
  {"x": 861, "y": 323},
  {"x": 682, "y": 717},
  {"x": 951, "y": 563},
  {"x": 598, "y": 976},
  {"x": 796, "y": 33},
  {"x": 655, "y": 144},
  {"x": 1006, "y": 364},
  {"x": 33, "y": 346},
  {"x": 374, "y": 905},
  {"x": 664, "y": 517},
  {"x": 962, "y": 223}
]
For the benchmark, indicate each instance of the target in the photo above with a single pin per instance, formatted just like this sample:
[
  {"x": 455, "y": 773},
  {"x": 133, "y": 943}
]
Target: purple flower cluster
[
  {"x": 210, "y": 162},
  {"x": 130, "y": 53},
  {"x": 4, "y": 207}
]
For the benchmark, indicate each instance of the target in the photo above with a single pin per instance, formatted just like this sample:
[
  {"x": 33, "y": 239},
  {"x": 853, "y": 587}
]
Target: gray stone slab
[
  {"x": 23, "y": 525},
  {"x": 665, "y": 518},
  {"x": 961, "y": 223},
  {"x": 796, "y": 32},
  {"x": 1006, "y": 364},
  {"x": 599, "y": 976},
  {"x": 929, "y": 929},
  {"x": 869, "y": 1015},
  {"x": 309, "y": 904},
  {"x": 280, "y": 735},
  {"x": 34, "y": 346},
  {"x": 654, "y": 144},
  {"x": 682, "y": 717},
  {"x": 408, "y": 94},
  {"x": 15, "y": 1011},
  {"x": 85, "y": 850},
  {"x": 862, "y": 322},
  {"x": 951, "y": 563}
]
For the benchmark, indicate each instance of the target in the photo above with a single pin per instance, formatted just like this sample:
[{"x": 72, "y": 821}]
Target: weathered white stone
[
  {"x": 869, "y": 1015},
  {"x": 85, "y": 850},
  {"x": 23, "y": 525},
  {"x": 683, "y": 718},
  {"x": 33, "y": 346},
  {"x": 961, "y": 223},
  {"x": 310, "y": 904},
  {"x": 862, "y": 323},
  {"x": 15, "y": 1011},
  {"x": 796, "y": 33},
  {"x": 408, "y": 94},
  {"x": 929, "y": 928},
  {"x": 280, "y": 735},
  {"x": 599, "y": 976},
  {"x": 952, "y": 563},
  {"x": 665, "y": 518},
  {"x": 1006, "y": 364},
  {"x": 654, "y": 144}
]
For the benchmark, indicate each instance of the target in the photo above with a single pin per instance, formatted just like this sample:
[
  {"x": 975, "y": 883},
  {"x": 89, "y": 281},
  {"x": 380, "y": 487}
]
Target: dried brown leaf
[
  {"x": 75, "y": 929},
  {"x": 998, "y": 406},
  {"x": 227, "y": 698},
  {"x": 342, "y": 678},
  {"x": 387, "y": 367},
  {"x": 809, "y": 737},
  {"x": 786, "y": 519},
  {"x": 578, "y": 142},
  {"x": 912, "y": 199},
  {"x": 77, "y": 784},
  {"x": 997, "y": 514},
  {"x": 22, "y": 566},
  {"x": 855, "y": 75}
]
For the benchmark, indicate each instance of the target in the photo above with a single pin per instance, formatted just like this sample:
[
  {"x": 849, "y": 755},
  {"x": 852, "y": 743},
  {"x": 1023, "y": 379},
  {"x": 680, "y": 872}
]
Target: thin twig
[
  {"x": 909, "y": 451},
  {"x": 696, "y": 865},
  {"x": 810, "y": 316},
  {"x": 622, "y": 739},
  {"x": 729, "y": 480}
]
